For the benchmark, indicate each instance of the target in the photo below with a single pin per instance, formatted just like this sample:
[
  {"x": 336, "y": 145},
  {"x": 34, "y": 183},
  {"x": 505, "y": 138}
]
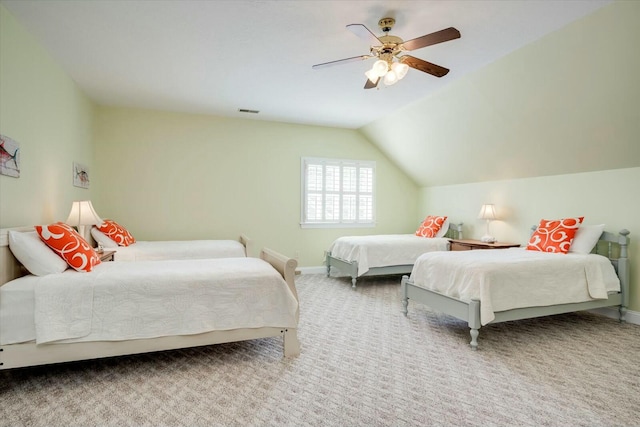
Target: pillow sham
[
  {"x": 430, "y": 226},
  {"x": 443, "y": 230},
  {"x": 586, "y": 238},
  {"x": 102, "y": 239},
  {"x": 116, "y": 232},
  {"x": 67, "y": 243},
  {"x": 554, "y": 235},
  {"x": 34, "y": 254}
]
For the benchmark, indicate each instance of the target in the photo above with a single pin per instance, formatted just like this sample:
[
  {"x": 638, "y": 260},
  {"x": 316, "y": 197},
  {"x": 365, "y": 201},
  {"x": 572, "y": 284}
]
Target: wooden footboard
[{"x": 31, "y": 354}]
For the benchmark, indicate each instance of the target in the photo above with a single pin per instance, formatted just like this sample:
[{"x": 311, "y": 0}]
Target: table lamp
[
  {"x": 82, "y": 215},
  {"x": 487, "y": 212}
]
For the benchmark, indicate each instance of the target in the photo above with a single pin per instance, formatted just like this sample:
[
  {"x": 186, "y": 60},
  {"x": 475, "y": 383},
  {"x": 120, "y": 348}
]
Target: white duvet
[
  {"x": 121, "y": 301},
  {"x": 505, "y": 279},
  {"x": 178, "y": 249},
  {"x": 385, "y": 250}
]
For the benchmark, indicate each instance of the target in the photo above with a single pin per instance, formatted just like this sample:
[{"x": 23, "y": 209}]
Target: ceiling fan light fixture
[
  {"x": 380, "y": 67},
  {"x": 390, "y": 78},
  {"x": 372, "y": 76},
  {"x": 400, "y": 69}
]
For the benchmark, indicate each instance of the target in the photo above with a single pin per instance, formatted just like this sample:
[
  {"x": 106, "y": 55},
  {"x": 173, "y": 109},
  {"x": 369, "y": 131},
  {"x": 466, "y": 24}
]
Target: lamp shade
[
  {"x": 380, "y": 67},
  {"x": 487, "y": 211},
  {"x": 400, "y": 69},
  {"x": 82, "y": 213}
]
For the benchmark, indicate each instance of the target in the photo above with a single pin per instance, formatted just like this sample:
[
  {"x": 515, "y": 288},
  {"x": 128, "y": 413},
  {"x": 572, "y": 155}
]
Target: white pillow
[
  {"x": 34, "y": 254},
  {"x": 443, "y": 230},
  {"x": 586, "y": 238},
  {"x": 102, "y": 238}
]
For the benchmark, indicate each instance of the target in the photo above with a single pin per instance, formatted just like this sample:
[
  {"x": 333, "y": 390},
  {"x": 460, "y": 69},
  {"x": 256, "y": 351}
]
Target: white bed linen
[
  {"x": 17, "y": 305},
  {"x": 120, "y": 301},
  {"x": 384, "y": 250},
  {"x": 178, "y": 249},
  {"x": 505, "y": 279}
]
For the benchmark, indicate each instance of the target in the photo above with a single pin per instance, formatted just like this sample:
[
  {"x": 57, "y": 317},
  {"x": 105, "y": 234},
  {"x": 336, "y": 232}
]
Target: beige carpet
[{"x": 362, "y": 364}]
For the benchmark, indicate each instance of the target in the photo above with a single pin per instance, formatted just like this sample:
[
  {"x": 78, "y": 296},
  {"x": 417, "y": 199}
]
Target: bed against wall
[
  {"x": 379, "y": 255},
  {"x": 427, "y": 286},
  {"x": 29, "y": 353},
  {"x": 129, "y": 249}
]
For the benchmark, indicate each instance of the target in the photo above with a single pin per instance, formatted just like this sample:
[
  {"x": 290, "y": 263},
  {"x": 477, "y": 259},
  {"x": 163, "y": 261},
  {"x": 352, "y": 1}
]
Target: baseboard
[
  {"x": 313, "y": 270},
  {"x": 612, "y": 312}
]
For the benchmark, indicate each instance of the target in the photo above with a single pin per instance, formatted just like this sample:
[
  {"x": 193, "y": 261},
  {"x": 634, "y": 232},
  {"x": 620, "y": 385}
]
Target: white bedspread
[
  {"x": 384, "y": 250},
  {"x": 120, "y": 301},
  {"x": 176, "y": 249},
  {"x": 505, "y": 279}
]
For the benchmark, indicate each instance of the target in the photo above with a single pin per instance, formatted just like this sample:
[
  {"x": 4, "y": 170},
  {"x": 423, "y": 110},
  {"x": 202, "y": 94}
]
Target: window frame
[{"x": 340, "y": 222}]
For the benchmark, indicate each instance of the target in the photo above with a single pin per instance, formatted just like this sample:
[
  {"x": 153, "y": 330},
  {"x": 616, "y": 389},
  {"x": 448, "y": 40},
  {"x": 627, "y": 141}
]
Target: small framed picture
[
  {"x": 80, "y": 175},
  {"x": 9, "y": 157}
]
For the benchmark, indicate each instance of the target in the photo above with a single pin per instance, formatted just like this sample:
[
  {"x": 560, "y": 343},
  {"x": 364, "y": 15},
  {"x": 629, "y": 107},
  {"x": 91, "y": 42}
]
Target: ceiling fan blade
[
  {"x": 431, "y": 39},
  {"x": 424, "y": 66},
  {"x": 370, "y": 85},
  {"x": 365, "y": 34},
  {"x": 342, "y": 61}
]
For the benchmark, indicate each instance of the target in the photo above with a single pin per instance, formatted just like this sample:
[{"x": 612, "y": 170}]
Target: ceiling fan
[{"x": 391, "y": 65}]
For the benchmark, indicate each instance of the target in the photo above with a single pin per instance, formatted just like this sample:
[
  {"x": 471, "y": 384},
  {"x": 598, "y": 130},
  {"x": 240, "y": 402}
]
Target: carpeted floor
[{"x": 362, "y": 364}]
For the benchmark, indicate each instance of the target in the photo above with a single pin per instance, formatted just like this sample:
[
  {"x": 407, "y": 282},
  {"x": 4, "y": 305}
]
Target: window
[{"x": 337, "y": 193}]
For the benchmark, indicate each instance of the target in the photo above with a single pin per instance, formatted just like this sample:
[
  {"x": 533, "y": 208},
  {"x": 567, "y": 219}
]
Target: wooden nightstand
[
  {"x": 468, "y": 245},
  {"x": 106, "y": 255}
]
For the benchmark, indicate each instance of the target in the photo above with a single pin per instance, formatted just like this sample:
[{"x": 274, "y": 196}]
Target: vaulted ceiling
[{"x": 215, "y": 57}]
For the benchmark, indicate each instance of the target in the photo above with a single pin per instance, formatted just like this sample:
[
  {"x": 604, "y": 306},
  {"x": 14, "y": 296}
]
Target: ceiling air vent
[{"x": 245, "y": 110}]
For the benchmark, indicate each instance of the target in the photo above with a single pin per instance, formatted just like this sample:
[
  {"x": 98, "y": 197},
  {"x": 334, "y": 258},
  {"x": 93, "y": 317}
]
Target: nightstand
[
  {"x": 106, "y": 255},
  {"x": 468, "y": 245}
]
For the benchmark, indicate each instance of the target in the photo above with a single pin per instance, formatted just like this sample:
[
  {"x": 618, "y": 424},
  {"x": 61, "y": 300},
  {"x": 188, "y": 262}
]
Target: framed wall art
[
  {"x": 80, "y": 175},
  {"x": 9, "y": 157}
]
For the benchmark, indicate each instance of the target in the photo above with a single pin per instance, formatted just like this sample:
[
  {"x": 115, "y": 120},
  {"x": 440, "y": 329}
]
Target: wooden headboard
[{"x": 10, "y": 267}]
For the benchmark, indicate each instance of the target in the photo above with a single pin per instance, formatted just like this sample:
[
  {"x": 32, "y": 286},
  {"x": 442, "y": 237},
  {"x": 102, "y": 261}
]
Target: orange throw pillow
[
  {"x": 430, "y": 226},
  {"x": 67, "y": 243},
  {"x": 554, "y": 236},
  {"x": 116, "y": 232}
]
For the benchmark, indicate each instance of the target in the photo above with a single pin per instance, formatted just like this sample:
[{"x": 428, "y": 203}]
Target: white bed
[
  {"x": 383, "y": 254},
  {"x": 174, "y": 249},
  {"x": 483, "y": 287},
  {"x": 128, "y": 308}
]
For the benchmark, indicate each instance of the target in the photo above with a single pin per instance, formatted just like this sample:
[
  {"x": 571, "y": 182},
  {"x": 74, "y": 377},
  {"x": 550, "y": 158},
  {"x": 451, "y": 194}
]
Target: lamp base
[{"x": 488, "y": 239}]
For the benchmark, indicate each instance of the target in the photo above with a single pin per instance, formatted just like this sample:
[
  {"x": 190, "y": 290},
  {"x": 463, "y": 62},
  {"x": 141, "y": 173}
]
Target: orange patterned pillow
[
  {"x": 67, "y": 243},
  {"x": 430, "y": 226},
  {"x": 554, "y": 236},
  {"x": 116, "y": 232}
]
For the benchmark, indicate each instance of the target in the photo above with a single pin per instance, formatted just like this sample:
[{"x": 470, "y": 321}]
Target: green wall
[
  {"x": 43, "y": 110},
  {"x": 603, "y": 197},
  {"x": 183, "y": 176}
]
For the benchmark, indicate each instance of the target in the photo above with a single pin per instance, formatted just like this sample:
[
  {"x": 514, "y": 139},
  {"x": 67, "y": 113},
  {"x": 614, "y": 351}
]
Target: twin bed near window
[
  {"x": 484, "y": 286},
  {"x": 376, "y": 255},
  {"x": 125, "y": 308}
]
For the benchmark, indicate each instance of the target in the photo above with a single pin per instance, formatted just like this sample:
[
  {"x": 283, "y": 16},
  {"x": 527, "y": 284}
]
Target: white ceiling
[{"x": 214, "y": 57}]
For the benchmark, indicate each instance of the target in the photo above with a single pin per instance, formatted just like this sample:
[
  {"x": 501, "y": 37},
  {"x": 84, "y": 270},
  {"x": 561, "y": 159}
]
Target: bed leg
[
  {"x": 328, "y": 270},
  {"x": 290, "y": 342},
  {"x": 623, "y": 313},
  {"x": 474, "y": 322},
  {"x": 353, "y": 282},
  {"x": 474, "y": 338},
  {"x": 405, "y": 298}
]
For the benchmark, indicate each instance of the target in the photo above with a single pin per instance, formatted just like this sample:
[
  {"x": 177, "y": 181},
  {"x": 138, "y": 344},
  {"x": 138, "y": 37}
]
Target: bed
[
  {"x": 174, "y": 249},
  {"x": 484, "y": 287},
  {"x": 383, "y": 254},
  {"x": 208, "y": 301}
]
